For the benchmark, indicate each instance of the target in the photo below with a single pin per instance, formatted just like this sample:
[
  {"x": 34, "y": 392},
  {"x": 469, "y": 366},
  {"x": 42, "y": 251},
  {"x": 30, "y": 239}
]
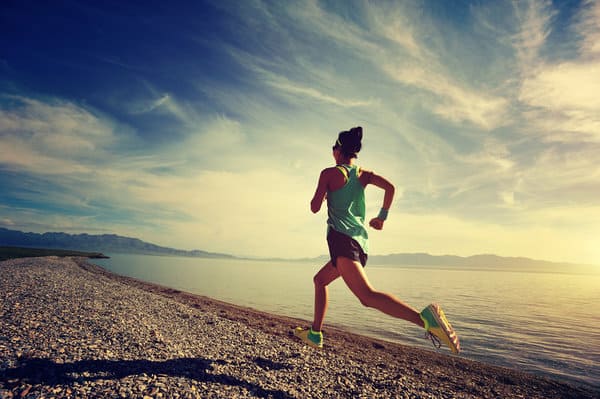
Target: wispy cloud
[
  {"x": 534, "y": 23},
  {"x": 155, "y": 101},
  {"x": 454, "y": 101},
  {"x": 395, "y": 25},
  {"x": 314, "y": 94},
  {"x": 413, "y": 62},
  {"x": 484, "y": 115},
  {"x": 49, "y": 138},
  {"x": 562, "y": 99},
  {"x": 589, "y": 28},
  {"x": 389, "y": 43},
  {"x": 182, "y": 184},
  {"x": 151, "y": 105}
]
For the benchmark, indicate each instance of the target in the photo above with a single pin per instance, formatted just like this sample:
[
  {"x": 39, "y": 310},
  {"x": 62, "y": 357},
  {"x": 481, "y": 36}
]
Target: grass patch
[{"x": 20, "y": 252}]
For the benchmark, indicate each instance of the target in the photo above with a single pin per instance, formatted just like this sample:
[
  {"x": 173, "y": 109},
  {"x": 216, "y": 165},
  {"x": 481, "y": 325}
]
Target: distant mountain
[
  {"x": 453, "y": 260},
  {"x": 475, "y": 261},
  {"x": 106, "y": 243},
  {"x": 111, "y": 243}
]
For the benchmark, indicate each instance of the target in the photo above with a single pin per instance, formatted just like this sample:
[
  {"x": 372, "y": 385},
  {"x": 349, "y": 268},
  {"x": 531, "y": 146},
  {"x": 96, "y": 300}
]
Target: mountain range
[
  {"x": 96, "y": 243},
  {"x": 112, "y": 243}
]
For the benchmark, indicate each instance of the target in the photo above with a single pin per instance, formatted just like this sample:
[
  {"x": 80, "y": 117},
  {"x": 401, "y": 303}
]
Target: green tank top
[{"x": 346, "y": 208}]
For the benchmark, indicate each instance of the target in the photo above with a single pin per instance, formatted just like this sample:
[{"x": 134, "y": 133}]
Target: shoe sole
[{"x": 441, "y": 320}]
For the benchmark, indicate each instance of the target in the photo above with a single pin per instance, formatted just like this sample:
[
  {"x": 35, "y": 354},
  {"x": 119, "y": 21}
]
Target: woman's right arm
[{"x": 320, "y": 193}]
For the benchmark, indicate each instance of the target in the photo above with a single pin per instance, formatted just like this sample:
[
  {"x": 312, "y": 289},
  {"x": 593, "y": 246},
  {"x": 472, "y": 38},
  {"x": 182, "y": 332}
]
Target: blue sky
[{"x": 205, "y": 124}]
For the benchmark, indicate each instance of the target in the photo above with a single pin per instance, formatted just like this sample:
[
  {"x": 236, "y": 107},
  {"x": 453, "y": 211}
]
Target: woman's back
[{"x": 346, "y": 206}]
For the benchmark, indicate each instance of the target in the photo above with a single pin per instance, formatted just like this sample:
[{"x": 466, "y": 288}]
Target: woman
[{"x": 343, "y": 186}]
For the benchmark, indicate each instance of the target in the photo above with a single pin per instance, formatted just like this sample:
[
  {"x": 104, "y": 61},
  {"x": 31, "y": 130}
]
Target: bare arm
[
  {"x": 388, "y": 197},
  {"x": 387, "y": 186},
  {"x": 320, "y": 193}
]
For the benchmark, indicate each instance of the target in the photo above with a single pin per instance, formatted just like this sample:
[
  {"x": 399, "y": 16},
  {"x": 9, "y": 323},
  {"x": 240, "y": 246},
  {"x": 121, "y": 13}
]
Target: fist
[{"x": 376, "y": 223}]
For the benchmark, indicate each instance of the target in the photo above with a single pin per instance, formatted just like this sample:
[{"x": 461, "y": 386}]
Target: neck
[{"x": 345, "y": 161}]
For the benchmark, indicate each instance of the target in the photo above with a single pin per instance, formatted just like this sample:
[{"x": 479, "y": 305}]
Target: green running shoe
[
  {"x": 314, "y": 339},
  {"x": 438, "y": 327}
]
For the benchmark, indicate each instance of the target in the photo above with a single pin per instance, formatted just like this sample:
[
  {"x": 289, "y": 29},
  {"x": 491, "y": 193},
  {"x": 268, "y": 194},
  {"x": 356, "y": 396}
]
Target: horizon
[
  {"x": 206, "y": 124},
  {"x": 323, "y": 255}
]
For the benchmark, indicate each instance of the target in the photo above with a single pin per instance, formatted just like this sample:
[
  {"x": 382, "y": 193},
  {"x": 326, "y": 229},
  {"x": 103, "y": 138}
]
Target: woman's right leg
[{"x": 322, "y": 279}]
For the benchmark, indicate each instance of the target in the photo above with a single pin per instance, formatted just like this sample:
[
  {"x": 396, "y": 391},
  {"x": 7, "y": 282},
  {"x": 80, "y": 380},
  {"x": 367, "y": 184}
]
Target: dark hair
[{"x": 349, "y": 142}]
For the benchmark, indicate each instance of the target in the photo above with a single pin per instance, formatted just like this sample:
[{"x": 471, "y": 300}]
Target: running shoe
[
  {"x": 314, "y": 339},
  {"x": 438, "y": 327}
]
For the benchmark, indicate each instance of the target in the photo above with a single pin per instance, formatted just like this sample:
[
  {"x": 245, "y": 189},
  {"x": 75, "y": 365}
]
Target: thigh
[
  {"x": 327, "y": 274},
  {"x": 354, "y": 276},
  {"x": 343, "y": 245}
]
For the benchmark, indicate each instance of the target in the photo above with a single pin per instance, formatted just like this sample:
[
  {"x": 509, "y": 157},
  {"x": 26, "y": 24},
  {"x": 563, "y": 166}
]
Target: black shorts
[{"x": 343, "y": 245}]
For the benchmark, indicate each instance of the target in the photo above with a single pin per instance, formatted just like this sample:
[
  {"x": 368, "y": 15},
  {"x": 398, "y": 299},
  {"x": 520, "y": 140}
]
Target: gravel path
[{"x": 69, "y": 329}]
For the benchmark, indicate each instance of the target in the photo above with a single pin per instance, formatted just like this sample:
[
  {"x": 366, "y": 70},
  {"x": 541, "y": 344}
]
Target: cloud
[
  {"x": 149, "y": 106},
  {"x": 493, "y": 167},
  {"x": 421, "y": 67},
  {"x": 458, "y": 104},
  {"x": 7, "y": 222},
  {"x": 314, "y": 94},
  {"x": 341, "y": 32},
  {"x": 386, "y": 42},
  {"x": 589, "y": 28},
  {"x": 566, "y": 86},
  {"x": 245, "y": 207},
  {"x": 483, "y": 126},
  {"x": 68, "y": 159},
  {"x": 153, "y": 101},
  {"x": 211, "y": 180},
  {"x": 535, "y": 19},
  {"x": 560, "y": 177},
  {"x": 561, "y": 97},
  {"x": 50, "y": 138},
  {"x": 397, "y": 28},
  {"x": 304, "y": 80}
]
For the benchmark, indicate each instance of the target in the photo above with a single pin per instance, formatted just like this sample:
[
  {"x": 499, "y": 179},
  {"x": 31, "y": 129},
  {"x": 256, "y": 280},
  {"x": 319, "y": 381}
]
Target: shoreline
[{"x": 248, "y": 343}]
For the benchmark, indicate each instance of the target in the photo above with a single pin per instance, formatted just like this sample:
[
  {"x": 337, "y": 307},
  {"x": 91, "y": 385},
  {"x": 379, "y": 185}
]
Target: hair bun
[
  {"x": 357, "y": 132},
  {"x": 351, "y": 141}
]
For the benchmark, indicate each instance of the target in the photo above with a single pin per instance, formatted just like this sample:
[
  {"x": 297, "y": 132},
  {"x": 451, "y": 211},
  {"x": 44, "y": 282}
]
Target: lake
[{"x": 545, "y": 322}]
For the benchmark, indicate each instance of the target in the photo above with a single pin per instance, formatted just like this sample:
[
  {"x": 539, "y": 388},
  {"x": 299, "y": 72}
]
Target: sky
[{"x": 205, "y": 124}]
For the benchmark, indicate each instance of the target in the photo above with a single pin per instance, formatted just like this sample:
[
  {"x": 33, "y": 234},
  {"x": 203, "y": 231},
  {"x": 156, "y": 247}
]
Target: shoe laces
[{"x": 434, "y": 340}]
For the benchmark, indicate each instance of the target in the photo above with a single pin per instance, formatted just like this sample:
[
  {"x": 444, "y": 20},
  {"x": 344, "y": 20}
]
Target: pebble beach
[{"x": 70, "y": 329}]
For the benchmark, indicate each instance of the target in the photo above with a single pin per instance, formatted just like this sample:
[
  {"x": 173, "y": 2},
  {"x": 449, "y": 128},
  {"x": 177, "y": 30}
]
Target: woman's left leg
[{"x": 355, "y": 278}]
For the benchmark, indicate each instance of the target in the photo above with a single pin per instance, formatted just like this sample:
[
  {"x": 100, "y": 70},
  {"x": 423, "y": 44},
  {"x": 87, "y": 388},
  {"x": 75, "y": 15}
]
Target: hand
[{"x": 376, "y": 223}]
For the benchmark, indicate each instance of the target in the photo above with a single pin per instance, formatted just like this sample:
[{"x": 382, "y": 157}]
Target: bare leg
[
  {"x": 326, "y": 275},
  {"x": 355, "y": 278}
]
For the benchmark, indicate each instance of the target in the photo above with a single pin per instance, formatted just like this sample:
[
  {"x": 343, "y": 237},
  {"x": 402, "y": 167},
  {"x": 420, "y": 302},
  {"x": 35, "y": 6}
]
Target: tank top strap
[{"x": 345, "y": 171}]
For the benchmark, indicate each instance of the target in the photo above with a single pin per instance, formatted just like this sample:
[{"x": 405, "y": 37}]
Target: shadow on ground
[{"x": 46, "y": 372}]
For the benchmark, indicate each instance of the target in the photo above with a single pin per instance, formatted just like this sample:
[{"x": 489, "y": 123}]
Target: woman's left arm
[{"x": 389, "y": 189}]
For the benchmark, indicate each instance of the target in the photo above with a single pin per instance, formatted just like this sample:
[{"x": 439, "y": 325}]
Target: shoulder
[
  {"x": 365, "y": 175},
  {"x": 327, "y": 175},
  {"x": 364, "y": 171},
  {"x": 328, "y": 172}
]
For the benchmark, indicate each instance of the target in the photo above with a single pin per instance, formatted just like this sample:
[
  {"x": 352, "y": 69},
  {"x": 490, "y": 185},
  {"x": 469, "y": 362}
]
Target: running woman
[{"x": 343, "y": 186}]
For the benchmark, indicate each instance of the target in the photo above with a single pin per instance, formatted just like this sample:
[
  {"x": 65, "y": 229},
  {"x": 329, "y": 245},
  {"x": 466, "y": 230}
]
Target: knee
[
  {"x": 318, "y": 281},
  {"x": 367, "y": 299}
]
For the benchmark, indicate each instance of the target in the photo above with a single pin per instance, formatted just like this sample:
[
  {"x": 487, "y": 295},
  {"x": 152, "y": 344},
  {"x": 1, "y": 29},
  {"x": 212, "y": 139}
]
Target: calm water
[{"x": 545, "y": 322}]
